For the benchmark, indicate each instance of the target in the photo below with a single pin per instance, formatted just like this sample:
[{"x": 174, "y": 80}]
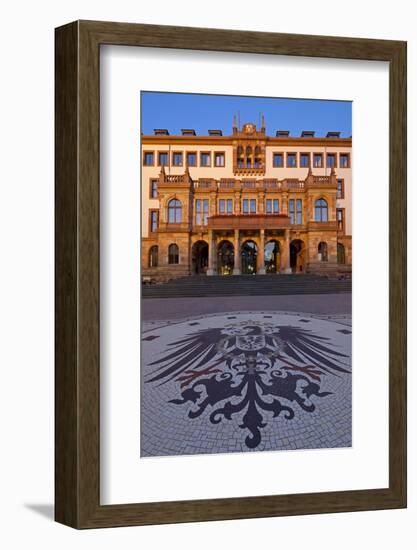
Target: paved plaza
[{"x": 272, "y": 374}]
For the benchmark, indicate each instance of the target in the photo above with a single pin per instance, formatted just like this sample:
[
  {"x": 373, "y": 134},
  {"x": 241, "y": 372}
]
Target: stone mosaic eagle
[{"x": 253, "y": 370}]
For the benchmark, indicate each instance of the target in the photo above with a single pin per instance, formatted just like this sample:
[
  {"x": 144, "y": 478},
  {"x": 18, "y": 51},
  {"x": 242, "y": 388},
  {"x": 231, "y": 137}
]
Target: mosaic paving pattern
[{"x": 250, "y": 381}]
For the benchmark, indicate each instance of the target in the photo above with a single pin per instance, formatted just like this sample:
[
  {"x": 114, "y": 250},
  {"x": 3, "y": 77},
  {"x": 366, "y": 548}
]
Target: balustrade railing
[
  {"x": 259, "y": 184},
  {"x": 175, "y": 179}
]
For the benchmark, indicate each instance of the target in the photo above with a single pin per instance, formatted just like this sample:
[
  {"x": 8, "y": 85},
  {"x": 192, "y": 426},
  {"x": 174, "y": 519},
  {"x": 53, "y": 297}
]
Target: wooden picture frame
[{"x": 77, "y": 404}]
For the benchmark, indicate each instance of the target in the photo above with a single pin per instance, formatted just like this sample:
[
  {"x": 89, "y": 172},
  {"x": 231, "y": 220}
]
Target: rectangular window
[
  {"x": 340, "y": 193},
  {"x": 163, "y": 159},
  {"x": 226, "y": 206},
  {"x": 218, "y": 159},
  {"x": 148, "y": 158},
  {"x": 192, "y": 159},
  {"x": 153, "y": 189},
  {"x": 299, "y": 212},
  {"x": 177, "y": 159},
  {"x": 331, "y": 160},
  {"x": 249, "y": 206},
  {"x": 291, "y": 160},
  {"x": 268, "y": 206},
  {"x": 291, "y": 203},
  {"x": 272, "y": 206},
  {"x": 278, "y": 160},
  {"x": 154, "y": 221},
  {"x": 201, "y": 211},
  {"x": 340, "y": 213},
  {"x": 318, "y": 160},
  {"x": 296, "y": 211},
  {"x": 305, "y": 160},
  {"x": 205, "y": 159},
  {"x": 344, "y": 160}
]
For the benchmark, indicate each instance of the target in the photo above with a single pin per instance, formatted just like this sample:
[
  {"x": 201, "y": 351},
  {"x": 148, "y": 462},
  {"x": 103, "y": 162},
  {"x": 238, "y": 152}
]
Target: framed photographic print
[{"x": 230, "y": 274}]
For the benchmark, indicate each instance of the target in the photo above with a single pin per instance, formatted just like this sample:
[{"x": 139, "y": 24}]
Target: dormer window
[{"x": 188, "y": 132}]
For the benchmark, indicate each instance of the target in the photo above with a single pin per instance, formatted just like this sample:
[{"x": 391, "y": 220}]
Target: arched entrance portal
[
  {"x": 297, "y": 256},
  {"x": 199, "y": 255},
  {"x": 272, "y": 257},
  {"x": 225, "y": 258},
  {"x": 249, "y": 253}
]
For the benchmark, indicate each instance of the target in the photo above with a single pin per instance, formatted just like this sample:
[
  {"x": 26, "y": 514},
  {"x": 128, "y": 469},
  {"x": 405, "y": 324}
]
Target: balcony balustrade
[
  {"x": 249, "y": 221},
  {"x": 261, "y": 184}
]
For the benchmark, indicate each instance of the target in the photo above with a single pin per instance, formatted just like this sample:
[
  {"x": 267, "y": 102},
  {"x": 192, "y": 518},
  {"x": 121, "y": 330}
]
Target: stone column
[
  {"x": 236, "y": 268},
  {"x": 284, "y": 203},
  {"x": 237, "y": 203},
  {"x": 285, "y": 257},
  {"x": 261, "y": 254},
  {"x": 261, "y": 202},
  {"x": 211, "y": 252}
]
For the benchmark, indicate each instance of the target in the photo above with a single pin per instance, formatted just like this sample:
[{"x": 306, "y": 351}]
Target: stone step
[{"x": 246, "y": 285}]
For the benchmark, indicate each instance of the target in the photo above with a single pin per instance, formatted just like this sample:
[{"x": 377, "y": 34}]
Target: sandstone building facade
[{"x": 246, "y": 203}]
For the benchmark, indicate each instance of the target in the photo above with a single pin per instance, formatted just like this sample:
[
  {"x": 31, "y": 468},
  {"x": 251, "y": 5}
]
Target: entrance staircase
[{"x": 246, "y": 285}]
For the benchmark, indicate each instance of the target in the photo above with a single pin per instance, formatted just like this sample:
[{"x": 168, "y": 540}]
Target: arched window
[
  {"x": 173, "y": 254},
  {"x": 174, "y": 211},
  {"x": 321, "y": 211},
  {"x": 257, "y": 161},
  {"x": 240, "y": 157},
  {"x": 341, "y": 256},
  {"x": 248, "y": 157},
  {"x": 153, "y": 256},
  {"x": 322, "y": 249}
]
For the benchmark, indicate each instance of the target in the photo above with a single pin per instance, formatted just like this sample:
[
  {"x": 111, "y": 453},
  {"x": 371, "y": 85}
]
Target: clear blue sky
[{"x": 203, "y": 112}]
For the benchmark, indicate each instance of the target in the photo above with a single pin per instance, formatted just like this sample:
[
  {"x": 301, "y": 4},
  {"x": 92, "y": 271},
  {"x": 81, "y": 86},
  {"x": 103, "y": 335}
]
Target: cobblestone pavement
[
  {"x": 178, "y": 308},
  {"x": 300, "y": 363}
]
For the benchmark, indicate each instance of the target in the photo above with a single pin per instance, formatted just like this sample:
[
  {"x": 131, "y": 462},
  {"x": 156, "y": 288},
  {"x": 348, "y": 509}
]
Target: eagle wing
[
  {"x": 306, "y": 347},
  {"x": 195, "y": 350}
]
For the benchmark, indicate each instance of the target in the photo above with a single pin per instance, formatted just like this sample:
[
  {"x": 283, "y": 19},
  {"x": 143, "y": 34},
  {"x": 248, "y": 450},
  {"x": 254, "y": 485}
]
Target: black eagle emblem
[{"x": 252, "y": 370}]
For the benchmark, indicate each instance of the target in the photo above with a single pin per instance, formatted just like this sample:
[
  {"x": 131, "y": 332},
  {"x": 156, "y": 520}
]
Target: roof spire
[{"x": 234, "y": 124}]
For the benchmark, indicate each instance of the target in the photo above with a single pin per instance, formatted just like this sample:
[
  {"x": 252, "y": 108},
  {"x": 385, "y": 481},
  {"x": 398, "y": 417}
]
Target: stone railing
[
  {"x": 205, "y": 184},
  {"x": 176, "y": 179},
  {"x": 249, "y": 221},
  {"x": 227, "y": 183},
  {"x": 272, "y": 184},
  {"x": 321, "y": 181},
  {"x": 262, "y": 184},
  {"x": 250, "y": 184},
  {"x": 293, "y": 184}
]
